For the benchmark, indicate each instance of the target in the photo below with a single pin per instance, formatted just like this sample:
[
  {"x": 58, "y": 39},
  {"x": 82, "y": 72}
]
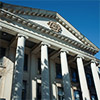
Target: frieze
[
  {"x": 54, "y": 26},
  {"x": 43, "y": 29}
]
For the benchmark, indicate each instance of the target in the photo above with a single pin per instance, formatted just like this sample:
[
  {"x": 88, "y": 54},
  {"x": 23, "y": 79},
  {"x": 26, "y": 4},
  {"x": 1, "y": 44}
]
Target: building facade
[{"x": 43, "y": 57}]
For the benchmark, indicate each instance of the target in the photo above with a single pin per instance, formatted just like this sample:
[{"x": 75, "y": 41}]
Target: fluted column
[
  {"x": 82, "y": 78},
  {"x": 18, "y": 71},
  {"x": 66, "y": 76},
  {"x": 45, "y": 72},
  {"x": 95, "y": 78}
]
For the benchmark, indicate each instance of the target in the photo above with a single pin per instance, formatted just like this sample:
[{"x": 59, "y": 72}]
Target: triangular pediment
[
  {"x": 41, "y": 18},
  {"x": 44, "y": 22}
]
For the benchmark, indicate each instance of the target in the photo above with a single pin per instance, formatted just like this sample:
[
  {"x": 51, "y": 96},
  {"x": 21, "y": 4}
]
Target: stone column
[
  {"x": 18, "y": 71},
  {"x": 66, "y": 76},
  {"x": 82, "y": 78},
  {"x": 45, "y": 89},
  {"x": 95, "y": 78}
]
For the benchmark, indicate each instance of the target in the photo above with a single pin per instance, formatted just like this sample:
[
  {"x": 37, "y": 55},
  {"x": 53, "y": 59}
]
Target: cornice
[
  {"x": 75, "y": 32},
  {"x": 48, "y": 14},
  {"x": 14, "y": 30},
  {"x": 37, "y": 27},
  {"x": 28, "y": 11}
]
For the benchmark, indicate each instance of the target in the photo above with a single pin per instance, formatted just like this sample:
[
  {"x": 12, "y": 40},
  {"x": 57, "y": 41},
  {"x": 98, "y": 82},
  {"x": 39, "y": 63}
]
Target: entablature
[
  {"x": 47, "y": 14},
  {"x": 35, "y": 36},
  {"x": 37, "y": 27}
]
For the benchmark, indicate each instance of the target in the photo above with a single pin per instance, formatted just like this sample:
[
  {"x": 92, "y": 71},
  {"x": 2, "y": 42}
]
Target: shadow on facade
[
  {"x": 45, "y": 87},
  {"x": 18, "y": 73},
  {"x": 66, "y": 89},
  {"x": 67, "y": 86}
]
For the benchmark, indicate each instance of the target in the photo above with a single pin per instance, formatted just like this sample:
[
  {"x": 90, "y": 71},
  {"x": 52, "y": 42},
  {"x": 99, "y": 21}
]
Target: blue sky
[{"x": 84, "y": 15}]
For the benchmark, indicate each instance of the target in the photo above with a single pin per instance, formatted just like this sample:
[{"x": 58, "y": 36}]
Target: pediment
[
  {"x": 41, "y": 18},
  {"x": 44, "y": 22}
]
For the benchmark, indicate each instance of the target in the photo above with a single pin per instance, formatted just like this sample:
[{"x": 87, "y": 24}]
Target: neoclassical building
[{"x": 43, "y": 57}]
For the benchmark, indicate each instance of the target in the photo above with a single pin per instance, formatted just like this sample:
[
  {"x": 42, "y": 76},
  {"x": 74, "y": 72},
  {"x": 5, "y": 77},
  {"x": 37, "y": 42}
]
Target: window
[
  {"x": 60, "y": 93},
  {"x": 25, "y": 62},
  {"x": 39, "y": 66},
  {"x": 93, "y": 97},
  {"x": 24, "y": 87},
  {"x": 89, "y": 80},
  {"x": 77, "y": 95},
  {"x": 2, "y": 54},
  {"x": 38, "y": 91},
  {"x": 74, "y": 75},
  {"x": 58, "y": 71}
]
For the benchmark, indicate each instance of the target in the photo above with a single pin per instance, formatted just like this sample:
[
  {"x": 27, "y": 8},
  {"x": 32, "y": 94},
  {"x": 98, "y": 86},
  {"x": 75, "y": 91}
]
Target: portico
[{"x": 49, "y": 53}]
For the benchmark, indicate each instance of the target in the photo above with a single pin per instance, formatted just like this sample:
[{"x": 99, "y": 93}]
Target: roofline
[
  {"x": 78, "y": 33},
  {"x": 53, "y": 15}
]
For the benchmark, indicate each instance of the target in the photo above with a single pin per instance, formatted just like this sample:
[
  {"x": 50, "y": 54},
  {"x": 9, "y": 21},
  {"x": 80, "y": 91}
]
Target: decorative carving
[{"x": 54, "y": 26}]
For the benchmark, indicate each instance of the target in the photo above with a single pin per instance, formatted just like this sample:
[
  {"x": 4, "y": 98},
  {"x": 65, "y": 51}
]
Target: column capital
[
  {"x": 79, "y": 56},
  {"x": 44, "y": 43},
  {"x": 63, "y": 50},
  {"x": 22, "y": 35},
  {"x": 94, "y": 61}
]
